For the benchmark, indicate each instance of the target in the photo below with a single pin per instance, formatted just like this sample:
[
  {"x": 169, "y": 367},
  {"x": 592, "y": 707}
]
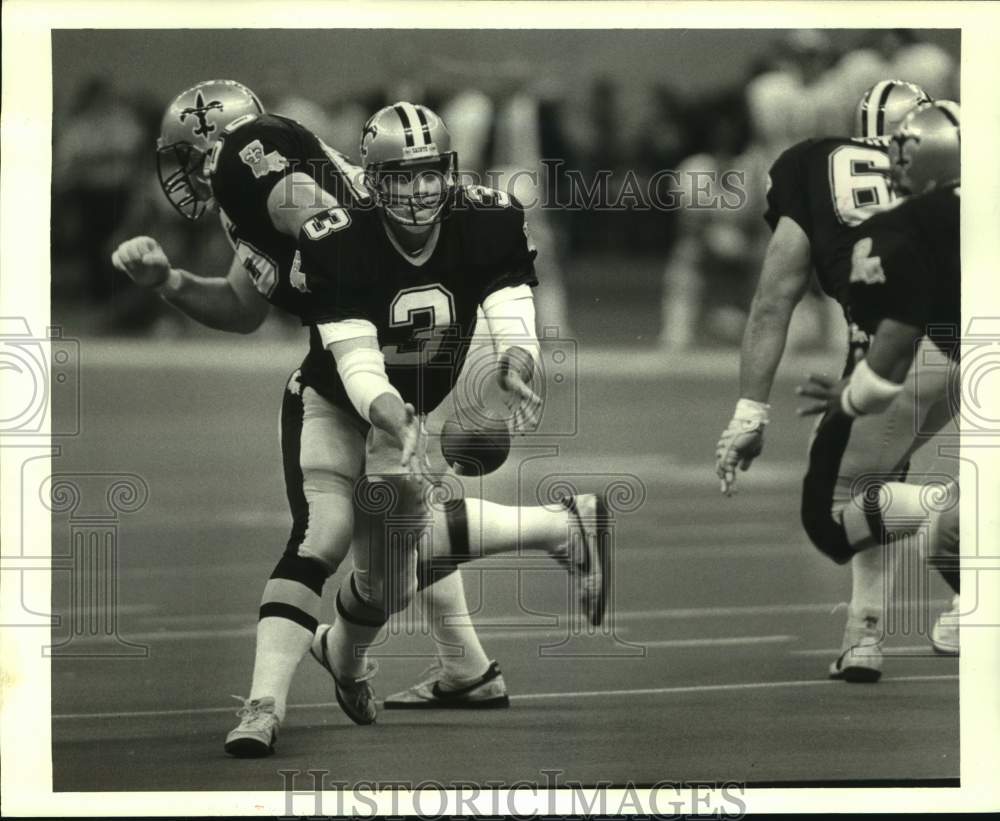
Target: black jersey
[
  {"x": 252, "y": 155},
  {"x": 907, "y": 267},
  {"x": 828, "y": 186},
  {"x": 424, "y": 311}
]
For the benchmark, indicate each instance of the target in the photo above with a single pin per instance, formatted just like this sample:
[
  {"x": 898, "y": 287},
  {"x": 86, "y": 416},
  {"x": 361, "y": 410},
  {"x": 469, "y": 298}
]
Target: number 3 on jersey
[
  {"x": 325, "y": 223},
  {"x": 858, "y": 183},
  {"x": 429, "y": 310}
]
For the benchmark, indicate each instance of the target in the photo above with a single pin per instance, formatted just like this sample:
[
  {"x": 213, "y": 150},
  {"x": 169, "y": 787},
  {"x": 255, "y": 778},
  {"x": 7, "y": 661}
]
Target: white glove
[
  {"x": 741, "y": 442},
  {"x": 143, "y": 259}
]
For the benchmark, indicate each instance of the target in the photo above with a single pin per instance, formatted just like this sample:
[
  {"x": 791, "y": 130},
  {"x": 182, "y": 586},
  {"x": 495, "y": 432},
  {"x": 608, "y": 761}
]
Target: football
[{"x": 473, "y": 452}]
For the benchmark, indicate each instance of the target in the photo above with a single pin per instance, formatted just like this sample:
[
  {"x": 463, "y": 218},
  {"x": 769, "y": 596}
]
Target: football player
[
  {"x": 395, "y": 292},
  {"x": 905, "y": 287},
  {"x": 267, "y": 176},
  {"x": 820, "y": 190}
]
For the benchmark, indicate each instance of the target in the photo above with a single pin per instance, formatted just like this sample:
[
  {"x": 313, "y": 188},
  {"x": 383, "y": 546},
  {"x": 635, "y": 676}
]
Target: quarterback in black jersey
[
  {"x": 821, "y": 193},
  {"x": 421, "y": 308},
  {"x": 267, "y": 176}
]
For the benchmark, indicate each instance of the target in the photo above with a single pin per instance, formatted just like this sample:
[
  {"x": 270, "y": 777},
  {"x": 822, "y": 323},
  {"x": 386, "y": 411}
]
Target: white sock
[
  {"x": 494, "y": 528},
  {"x": 281, "y": 644},
  {"x": 901, "y": 508},
  {"x": 871, "y": 583},
  {"x": 446, "y": 613}
]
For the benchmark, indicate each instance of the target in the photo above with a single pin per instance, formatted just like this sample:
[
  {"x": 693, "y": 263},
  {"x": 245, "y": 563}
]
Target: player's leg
[
  {"x": 392, "y": 522},
  {"x": 855, "y": 467},
  {"x": 825, "y": 491},
  {"x": 943, "y": 539},
  {"x": 886, "y": 443},
  {"x": 468, "y": 529},
  {"x": 322, "y": 450},
  {"x": 462, "y": 675},
  {"x": 574, "y": 532}
]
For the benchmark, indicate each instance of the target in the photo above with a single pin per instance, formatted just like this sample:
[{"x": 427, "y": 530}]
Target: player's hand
[
  {"x": 413, "y": 439},
  {"x": 826, "y": 391},
  {"x": 741, "y": 442},
  {"x": 524, "y": 406},
  {"x": 143, "y": 259}
]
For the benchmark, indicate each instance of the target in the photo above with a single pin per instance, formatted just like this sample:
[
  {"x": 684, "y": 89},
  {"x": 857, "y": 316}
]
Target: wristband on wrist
[{"x": 750, "y": 410}]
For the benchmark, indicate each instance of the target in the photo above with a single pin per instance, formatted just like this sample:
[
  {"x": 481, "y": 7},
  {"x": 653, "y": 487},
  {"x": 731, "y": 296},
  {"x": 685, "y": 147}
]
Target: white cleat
[
  {"x": 589, "y": 558},
  {"x": 944, "y": 635},
  {"x": 257, "y": 731},
  {"x": 484, "y": 693},
  {"x": 356, "y": 696}
]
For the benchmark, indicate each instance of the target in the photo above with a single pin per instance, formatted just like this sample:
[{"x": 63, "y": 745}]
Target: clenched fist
[{"x": 143, "y": 259}]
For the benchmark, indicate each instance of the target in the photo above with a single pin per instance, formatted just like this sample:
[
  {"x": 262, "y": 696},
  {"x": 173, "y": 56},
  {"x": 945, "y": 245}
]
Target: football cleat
[
  {"x": 257, "y": 730},
  {"x": 588, "y": 559},
  {"x": 356, "y": 696},
  {"x": 485, "y": 693},
  {"x": 944, "y": 635},
  {"x": 860, "y": 659}
]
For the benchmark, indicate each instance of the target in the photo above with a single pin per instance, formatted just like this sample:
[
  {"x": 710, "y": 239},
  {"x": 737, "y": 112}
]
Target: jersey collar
[{"x": 418, "y": 259}]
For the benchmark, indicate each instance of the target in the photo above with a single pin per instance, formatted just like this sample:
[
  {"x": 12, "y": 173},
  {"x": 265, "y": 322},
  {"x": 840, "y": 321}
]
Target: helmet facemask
[
  {"x": 414, "y": 192},
  {"x": 180, "y": 167}
]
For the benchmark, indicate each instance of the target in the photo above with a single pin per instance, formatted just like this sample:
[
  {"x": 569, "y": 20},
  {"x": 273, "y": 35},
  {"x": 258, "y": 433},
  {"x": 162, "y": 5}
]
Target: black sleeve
[
  {"x": 890, "y": 279},
  {"x": 333, "y": 272},
  {"x": 511, "y": 251},
  {"x": 251, "y": 160},
  {"x": 787, "y": 192}
]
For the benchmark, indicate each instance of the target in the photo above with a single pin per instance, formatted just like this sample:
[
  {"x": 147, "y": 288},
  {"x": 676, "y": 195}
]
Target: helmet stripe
[
  {"x": 868, "y": 109},
  {"x": 421, "y": 135},
  {"x": 405, "y": 120},
  {"x": 424, "y": 126},
  {"x": 883, "y": 100},
  {"x": 946, "y": 110}
]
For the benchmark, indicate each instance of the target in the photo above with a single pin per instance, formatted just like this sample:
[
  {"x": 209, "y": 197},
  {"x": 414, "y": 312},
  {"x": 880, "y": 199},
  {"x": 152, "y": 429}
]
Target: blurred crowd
[{"x": 614, "y": 266}]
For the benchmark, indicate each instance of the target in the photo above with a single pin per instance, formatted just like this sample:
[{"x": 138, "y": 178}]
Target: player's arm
[
  {"x": 783, "y": 280},
  {"x": 361, "y": 365},
  {"x": 252, "y": 176},
  {"x": 510, "y": 316},
  {"x": 229, "y": 303},
  {"x": 296, "y": 198},
  {"x": 875, "y": 382}
]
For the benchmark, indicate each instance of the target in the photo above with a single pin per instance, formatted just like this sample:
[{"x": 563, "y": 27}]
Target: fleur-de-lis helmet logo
[
  {"x": 370, "y": 129},
  {"x": 200, "y": 110}
]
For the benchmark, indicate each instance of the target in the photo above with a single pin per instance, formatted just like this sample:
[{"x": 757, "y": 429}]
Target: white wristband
[
  {"x": 867, "y": 392},
  {"x": 750, "y": 410}
]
